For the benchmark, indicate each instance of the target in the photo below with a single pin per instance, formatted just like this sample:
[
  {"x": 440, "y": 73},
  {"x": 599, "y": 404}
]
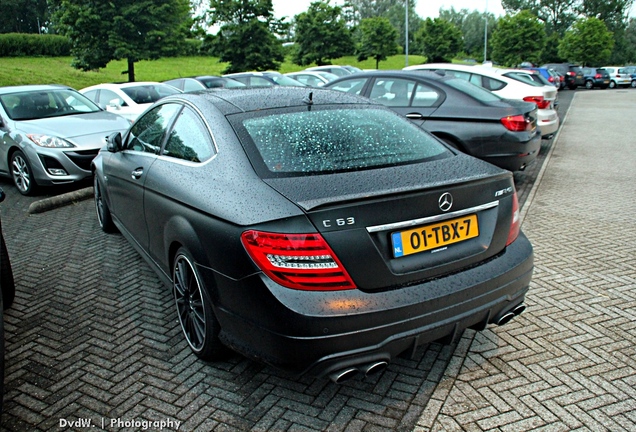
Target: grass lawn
[{"x": 58, "y": 70}]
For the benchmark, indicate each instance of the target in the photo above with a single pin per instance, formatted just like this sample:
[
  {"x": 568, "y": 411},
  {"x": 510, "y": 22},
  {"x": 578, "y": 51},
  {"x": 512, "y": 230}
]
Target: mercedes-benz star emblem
[{"x": 445, "y": 201}]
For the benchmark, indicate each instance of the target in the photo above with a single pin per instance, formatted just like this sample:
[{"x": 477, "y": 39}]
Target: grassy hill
[{"x": 58, "y": 70}]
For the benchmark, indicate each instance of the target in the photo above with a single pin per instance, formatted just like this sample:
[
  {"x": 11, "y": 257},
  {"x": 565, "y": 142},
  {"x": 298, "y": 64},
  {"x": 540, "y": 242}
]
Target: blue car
[{"x": 547, "y": 75}]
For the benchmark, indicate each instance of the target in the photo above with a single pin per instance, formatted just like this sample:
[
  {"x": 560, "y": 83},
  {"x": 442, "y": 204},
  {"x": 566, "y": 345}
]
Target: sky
[{"x": 425, "y": 8}]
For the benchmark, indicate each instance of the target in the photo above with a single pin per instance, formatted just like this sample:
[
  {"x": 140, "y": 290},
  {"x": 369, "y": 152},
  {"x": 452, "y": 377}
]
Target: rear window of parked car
[{"x": 316, "y": 141}]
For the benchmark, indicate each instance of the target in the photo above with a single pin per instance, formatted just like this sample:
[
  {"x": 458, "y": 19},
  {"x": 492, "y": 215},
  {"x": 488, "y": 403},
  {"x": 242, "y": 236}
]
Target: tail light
[
  {"x": 551, "y": 79},
  {"x": 598, "y": 76},
  {"x": 297, "y": 261},
  {"x": 517, "y": 123},
  {"x": 541, "y": 102},
  {"x": 571, "y": 74},
  {"x": 515, "y": 225}
]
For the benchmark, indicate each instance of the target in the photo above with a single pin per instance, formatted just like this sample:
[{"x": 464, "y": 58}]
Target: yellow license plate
[{"x": 434, "y": 236}]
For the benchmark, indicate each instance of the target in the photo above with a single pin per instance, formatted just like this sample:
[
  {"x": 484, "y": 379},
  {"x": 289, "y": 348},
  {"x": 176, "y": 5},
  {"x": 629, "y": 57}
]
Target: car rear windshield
[
  {"x": 472, "y": 90},
  {"x": 326, "y": 140}
]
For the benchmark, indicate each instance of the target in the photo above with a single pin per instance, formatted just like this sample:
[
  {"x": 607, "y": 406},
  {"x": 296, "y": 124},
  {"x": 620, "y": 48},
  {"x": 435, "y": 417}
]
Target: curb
[{"x": 60, "y": 200}]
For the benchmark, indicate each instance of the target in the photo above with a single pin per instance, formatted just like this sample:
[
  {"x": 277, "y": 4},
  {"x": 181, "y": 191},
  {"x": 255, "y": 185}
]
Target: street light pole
[
  {"x": 486, "y": 33},
  {"x": 406, "y": 32}
]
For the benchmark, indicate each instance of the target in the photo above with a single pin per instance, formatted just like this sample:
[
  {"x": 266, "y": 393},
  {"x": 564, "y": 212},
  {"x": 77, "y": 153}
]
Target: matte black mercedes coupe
[{"x": 313, "y": 230}]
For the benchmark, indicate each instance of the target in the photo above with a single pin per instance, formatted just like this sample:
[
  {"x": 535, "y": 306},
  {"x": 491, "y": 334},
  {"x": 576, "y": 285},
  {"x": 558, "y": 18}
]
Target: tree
[
  {"x": 588, "y": 42},
  {"x": 518, "y": 38},
  {"x": 105, "y": 30},
  {"x": 438, "y": 40},
  {"x": 395, "y": 10},
  {"x": 557, "y": 15},
  {"x": 377, "y": 40},
  {"x": 247, "y": 37},
  {"x": 321, "y": 34},
  {"x": 23, "y": 16},
  {"x": 472, "y": 25}
]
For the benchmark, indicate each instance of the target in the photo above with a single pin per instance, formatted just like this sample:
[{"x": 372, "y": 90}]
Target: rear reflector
[
  {"x": 515, "y": 225},
  {"x": 297, "y": 261},
  {"x": 517, "y": 123}
]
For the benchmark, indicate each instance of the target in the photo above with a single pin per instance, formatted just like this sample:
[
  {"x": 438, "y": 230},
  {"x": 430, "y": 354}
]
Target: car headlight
[{"x": 49, "y": 141}]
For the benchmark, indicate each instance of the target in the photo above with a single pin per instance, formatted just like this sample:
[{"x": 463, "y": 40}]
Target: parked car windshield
[
  {"x": 143, "y": 94},
  {"x": 332, "y": 140},
  {"x": 33, "y": 105}
]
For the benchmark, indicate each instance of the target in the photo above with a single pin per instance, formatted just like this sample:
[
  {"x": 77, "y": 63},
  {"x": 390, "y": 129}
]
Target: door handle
[
  {"x": 414, "y": 116},
  {"x": 137, "y": 173}
]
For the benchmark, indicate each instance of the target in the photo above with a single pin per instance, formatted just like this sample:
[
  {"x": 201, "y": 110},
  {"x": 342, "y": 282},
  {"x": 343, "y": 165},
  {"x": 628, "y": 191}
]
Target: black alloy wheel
[
  {"x": 22, "y": 174},
  {"x": 589, "y": 85},
  {"x": 199, "y": 325},
  {"x": 103, "y": 212}
]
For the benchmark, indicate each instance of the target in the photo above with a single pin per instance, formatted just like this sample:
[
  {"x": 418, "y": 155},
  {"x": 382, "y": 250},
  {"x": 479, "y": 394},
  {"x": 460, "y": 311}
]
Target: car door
[
  {"x": 169, "y": 188},
  {"x": 415, "y": 100},
  {"x": 127, "y": 170}
]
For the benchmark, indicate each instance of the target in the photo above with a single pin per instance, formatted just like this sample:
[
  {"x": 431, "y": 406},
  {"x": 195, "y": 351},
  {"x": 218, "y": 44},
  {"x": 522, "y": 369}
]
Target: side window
[
  {"x": 353, "y": 85},
  {"x": 92, "y": 95},
  {"x": 258, "y": 81},
  {"x": 493, "y": 84},
  {"x": 192, "y": 85},
  {"x": 189, "y": 139},
  {"x": 459, "y": 74},
  {"x": 476, "y": 79},
  {"x": 392, "y": 92},
  {"x": 425, "y": 96},
  {"x": 148, "y": 132},
  {"x": 107, "y": 96}
]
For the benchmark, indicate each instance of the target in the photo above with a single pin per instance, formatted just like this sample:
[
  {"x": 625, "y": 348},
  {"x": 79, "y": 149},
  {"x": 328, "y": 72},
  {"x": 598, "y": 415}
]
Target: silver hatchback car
[{"x": 49, "y": 134}]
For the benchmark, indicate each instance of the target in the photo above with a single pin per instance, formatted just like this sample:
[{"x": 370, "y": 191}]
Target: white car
[
  {"x": 508, "y": 88},
  {"x": 313, "y": 78},
  {"x": 619, "y": 76},
  {"x": 128, "y": 100}
]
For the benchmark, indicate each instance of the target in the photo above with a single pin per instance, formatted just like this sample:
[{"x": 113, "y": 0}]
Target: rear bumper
[
  {"x": 548, "y": 122},
  {"x": 514, "y": 156},
  {"x": 317, "y": 333}
]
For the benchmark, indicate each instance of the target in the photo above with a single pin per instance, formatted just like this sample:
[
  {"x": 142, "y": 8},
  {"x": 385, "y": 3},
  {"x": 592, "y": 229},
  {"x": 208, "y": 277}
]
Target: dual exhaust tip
[
  {"x": 517, "y": 310},
  {"x": 369, "y": 369},
  {"x": 376, "y": 367}
]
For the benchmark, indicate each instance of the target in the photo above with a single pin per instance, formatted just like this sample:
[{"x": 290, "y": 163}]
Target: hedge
[{"x": 29, "y": 45}]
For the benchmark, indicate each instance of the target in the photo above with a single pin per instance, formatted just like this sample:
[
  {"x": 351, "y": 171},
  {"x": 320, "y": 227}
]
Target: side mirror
[
  {"x": 114, "y": 142},
  {"x": 115, "y": 103}
]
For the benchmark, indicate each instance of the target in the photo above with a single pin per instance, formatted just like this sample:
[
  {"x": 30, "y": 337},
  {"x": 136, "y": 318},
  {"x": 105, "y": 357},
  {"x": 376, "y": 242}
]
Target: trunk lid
[{"x": 401, "y": 225}]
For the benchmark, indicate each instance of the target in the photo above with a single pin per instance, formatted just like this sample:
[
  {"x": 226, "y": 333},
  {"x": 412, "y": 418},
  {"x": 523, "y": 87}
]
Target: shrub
[{"x": 29, "y": 45}]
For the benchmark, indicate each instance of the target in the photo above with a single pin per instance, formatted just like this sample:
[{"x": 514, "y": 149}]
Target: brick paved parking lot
[{"x": 93, "y": 340}]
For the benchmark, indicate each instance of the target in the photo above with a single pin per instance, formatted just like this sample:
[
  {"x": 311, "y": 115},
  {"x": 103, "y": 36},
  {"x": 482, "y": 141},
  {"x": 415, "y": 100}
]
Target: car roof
[
  {"x": 238, "y": 100},
  {"x": 34, "y": 87},
  {"x": 123, "y": 85}
]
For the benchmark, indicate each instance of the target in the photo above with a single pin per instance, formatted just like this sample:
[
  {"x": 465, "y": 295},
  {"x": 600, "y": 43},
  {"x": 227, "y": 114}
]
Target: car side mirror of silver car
[{"x": 113, "y": 142}]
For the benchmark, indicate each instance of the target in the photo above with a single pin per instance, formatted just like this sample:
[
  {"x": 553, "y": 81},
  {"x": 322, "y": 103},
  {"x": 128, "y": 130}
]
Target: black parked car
[
  {"x": 573, "y": 74},
  {"x": 468, "y": 117},
  {"x": 596, "y": 77},
  {"x": 313, "y": 230}
]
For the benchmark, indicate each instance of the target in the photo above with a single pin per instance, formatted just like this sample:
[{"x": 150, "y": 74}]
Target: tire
[
  {"x": 22, "y": 174},
  {"x": 103, "y": 212},
  {"x": 612, "y": 85},
  {"x": 194, "y": 309},
  {"x": 633, "y": 84},
  {"x": 589, "y": 85}
]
